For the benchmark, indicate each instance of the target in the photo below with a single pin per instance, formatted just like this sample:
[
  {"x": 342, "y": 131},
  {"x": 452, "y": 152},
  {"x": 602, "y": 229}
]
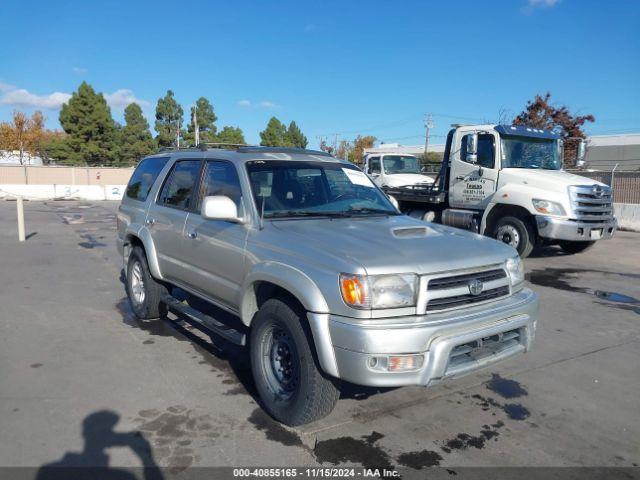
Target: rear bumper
[
  {"x": 488, "y": 334},
  {"x": 557, "y": 229}
]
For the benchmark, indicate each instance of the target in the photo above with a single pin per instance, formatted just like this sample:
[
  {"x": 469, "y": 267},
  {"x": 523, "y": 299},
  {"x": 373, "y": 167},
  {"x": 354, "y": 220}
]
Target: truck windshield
[
  {"x": 308, "y": 189},
  {"x": 400, "y": 164},
  {"x": 528, "y": 152}
]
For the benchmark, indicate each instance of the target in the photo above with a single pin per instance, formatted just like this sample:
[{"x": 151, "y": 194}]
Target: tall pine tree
[
  {"x": 135, "y": 137},
  {"x": 230, "y": 135},
  {"x": 275, "y": 135},
  {"x": 295, "y": 137},
  {"x": 206, "y": 118},
  {"x": 90, "y": 129},
  {"x": 169, "y": 116}
]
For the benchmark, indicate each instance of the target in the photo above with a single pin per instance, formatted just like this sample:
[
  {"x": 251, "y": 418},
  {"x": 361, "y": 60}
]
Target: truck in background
[
  {"x": 395, "y": 170},
  {"x": 507, "y": 182}
]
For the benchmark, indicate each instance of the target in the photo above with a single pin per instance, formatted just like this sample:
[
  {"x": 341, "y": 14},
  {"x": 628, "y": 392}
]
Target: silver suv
[{"x": 325, "y": 279}]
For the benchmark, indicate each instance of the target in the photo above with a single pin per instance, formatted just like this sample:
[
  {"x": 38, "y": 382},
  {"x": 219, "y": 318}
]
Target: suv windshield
[
  {"x": 401, "y": 164},
  {"x": 301, "y": 189},
  {"x": 528, "y": 152}
]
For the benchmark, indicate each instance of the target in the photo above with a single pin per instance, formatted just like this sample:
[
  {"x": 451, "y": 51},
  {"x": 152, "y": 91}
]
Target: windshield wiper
[
  {"x": 305, "y": 213},
  {"x": 366, "y": 210}
]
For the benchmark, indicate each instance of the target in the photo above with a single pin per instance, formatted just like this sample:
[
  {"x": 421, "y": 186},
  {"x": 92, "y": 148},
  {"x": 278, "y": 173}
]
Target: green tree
[
  {"x": 295, "y": 137},
  {"x": 359, "y": 144},
  {"x": 169, "y": 116},
  {"x": 230, "y": 135},
  {"x": 91, "y": 132},
  {"x": 275, "y": 135},
  {"x": 135, "y": 138},
  {"x": 206, "y": 118}
]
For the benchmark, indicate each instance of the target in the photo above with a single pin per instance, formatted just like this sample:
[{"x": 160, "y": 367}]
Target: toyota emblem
[
  {"x": 475, "y": 287},
  {"x": 598, "y": 191}
]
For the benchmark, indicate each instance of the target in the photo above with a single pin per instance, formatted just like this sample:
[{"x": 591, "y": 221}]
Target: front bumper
[
  {"x": 574, "y": 230},
  {"x": 440, "y": 338}
]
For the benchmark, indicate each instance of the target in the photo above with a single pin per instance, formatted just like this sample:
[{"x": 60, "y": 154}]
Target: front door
[
  {"x": 214, "y": 249},
  {"x": 472, "y": 184},
  {"x": 167, "y": 216}
]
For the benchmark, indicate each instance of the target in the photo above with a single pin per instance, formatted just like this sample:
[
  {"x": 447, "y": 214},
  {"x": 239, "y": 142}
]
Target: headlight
[
  {"x": 515, "y": 269},
  {"x": 379, "y": 291},
  {"x": 547, "y": 207}
]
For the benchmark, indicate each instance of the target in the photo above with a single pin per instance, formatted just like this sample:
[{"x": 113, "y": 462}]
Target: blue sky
[{"x": 345, "y": 67}]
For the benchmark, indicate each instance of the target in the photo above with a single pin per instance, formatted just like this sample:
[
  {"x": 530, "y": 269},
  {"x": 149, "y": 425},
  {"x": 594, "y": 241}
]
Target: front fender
[
  {"x": 517, "y": 195},
  {"x": 286, "y": 277}
]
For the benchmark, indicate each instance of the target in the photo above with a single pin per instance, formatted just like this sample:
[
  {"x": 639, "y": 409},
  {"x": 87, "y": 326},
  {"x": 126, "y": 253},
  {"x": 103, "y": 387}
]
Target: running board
[{"x": 190, "y": 315}]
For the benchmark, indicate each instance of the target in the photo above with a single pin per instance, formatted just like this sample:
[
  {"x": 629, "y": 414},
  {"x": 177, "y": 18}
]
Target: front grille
[
  {"x": 591, "y": 203},
  {"x": 465, "y": 355},
  {"x": 459, "y": 280},
  {"x": 460, "y": 300},
  {"x": 454, "y": 291}
]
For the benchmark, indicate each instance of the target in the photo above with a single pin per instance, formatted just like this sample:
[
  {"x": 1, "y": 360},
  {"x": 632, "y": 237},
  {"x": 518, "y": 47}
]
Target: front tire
[
  {"x": 291, "y": 386},
  {"x": 516, "y": 232},
  {"x": 144, "y": 292},
  {"x": 575, "y": 247}
]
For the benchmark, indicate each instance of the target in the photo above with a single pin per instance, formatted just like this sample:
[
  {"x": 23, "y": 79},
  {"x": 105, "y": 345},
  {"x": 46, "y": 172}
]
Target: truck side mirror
[
  {"x": 471, "y": 155},
  {"x": 582, "y": 151}
]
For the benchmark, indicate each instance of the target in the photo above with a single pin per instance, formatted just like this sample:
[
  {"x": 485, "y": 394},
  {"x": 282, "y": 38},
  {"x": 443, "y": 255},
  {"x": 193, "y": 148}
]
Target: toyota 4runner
[{"x": 327, "y": 280}]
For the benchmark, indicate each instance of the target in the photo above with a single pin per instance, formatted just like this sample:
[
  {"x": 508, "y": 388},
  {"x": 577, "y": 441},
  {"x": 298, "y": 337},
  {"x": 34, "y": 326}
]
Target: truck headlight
[
  {"x": 515, "y": 269},
  {"x": 379, "y": 291},
  {"x": 548, "y": 207}
]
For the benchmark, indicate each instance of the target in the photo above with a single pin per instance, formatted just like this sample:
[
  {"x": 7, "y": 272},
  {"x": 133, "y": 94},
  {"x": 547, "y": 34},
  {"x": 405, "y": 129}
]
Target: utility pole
[
  {"x": 428, "y": 125},
  {"x": 196, "y": 130}
]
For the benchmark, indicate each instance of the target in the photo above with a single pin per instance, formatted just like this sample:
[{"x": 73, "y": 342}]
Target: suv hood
[
  {"x": 402, "y": 179},
  {"x": 396, "y": 244},
  {"x": 550, "y": 180}
]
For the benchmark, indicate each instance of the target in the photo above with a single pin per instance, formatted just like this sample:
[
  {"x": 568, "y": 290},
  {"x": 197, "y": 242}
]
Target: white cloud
[
  {"x": 5, "y": 87},
  {"x": 262, "y": 104},
  {"x": 23, "y": 98},
  {"x": 533, "y": 4},
  {"x": 79, "y": 70},
  {"x": 123, "y": 97}
]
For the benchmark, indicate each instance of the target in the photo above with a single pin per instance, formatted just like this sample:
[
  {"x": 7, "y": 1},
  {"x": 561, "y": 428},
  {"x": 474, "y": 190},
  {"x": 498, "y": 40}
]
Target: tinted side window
[
  {"x": 221, "y": 178},
  {"x": 177, "y": 191},
  {"x": 486, "y": 149},
  {"x": 374, "y": 165},
  {"x": 144, "y": 177}
]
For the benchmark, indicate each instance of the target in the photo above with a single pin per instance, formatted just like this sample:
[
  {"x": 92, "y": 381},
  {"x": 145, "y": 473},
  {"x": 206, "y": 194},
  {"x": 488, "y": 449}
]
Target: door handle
[
  {"x": 460, "y": 177},
  {"x": 150, "y": 221},
  {"x": 192, "y": 234}
]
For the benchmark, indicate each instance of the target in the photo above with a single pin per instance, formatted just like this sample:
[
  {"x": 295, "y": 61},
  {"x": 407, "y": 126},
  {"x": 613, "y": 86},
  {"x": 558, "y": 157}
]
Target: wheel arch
[
  {"x": 142, "y": 238},
  {"x": 495, "y": 211}
]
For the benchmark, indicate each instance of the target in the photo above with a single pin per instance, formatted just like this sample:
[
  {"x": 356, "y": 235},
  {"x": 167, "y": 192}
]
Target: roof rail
[
  {"x": 207, "y": 145},
  {"x": 291, "y": 150}
]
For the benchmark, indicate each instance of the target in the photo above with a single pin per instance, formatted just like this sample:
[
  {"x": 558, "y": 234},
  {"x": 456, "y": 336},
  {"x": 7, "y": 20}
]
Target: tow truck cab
[
  {"x": 507, "y": 182},
  {"x": 395, "y": 170}
]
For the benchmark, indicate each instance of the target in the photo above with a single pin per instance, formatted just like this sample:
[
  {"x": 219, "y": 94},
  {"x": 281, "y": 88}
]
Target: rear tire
[
  {"x": 575, "y": 247},
  {"x": 291, "y": 386},
  {"x": 144, "y": 292},
  {"x": 517, "y": 232}
]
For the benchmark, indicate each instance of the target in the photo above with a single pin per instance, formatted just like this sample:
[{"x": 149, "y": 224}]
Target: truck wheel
[
  {"x": 576, "y": 247},
  {"x": 145, "y": 294},
  {"x": 292, "y": 388},
  {"x": 516, "y": 232}
]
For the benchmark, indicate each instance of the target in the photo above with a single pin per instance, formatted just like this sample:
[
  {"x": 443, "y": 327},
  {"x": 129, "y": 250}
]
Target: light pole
[{"x": 428, "y": 125}]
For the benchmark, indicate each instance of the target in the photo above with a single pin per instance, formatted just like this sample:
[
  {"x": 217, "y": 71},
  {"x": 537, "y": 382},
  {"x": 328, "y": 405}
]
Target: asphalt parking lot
[{"x": 84, "y": 383}]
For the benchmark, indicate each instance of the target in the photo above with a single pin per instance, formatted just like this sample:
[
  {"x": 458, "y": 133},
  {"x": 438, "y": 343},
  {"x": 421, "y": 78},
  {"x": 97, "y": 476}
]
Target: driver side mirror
[
  {"x": 582, "y": 151},
  {"x": 471, "y": 155},
  {"x": 219, "y": 207}
]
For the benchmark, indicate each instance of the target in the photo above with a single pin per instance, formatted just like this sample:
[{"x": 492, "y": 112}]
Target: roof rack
[
  {"x": 207, "y": 145},
  {"x": 291, "y": 150}
]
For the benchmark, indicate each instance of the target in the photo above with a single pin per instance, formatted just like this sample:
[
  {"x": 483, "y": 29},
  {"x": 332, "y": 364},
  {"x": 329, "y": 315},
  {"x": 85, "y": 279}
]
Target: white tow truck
[
  {"x": 395, "y": 170},
  {"x": 507, "y": 182}
]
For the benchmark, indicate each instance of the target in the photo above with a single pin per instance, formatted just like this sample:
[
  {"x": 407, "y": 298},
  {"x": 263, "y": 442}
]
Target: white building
[
  {"x": 416, "y": 150},
  {"x": 604, "y": 151},
  {"x": 13, "y": 158}
]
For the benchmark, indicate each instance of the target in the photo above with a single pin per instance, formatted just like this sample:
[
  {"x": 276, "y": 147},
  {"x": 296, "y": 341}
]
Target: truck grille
[
  {"x": 591, "y": 203},
  {"x": 448, "y": 292}
]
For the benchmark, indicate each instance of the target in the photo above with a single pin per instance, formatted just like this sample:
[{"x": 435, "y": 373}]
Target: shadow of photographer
[{"x": 93, "y": 461}]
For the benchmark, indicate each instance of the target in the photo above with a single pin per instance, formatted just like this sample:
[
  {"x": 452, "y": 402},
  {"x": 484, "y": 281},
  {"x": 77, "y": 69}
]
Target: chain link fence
[{"x": 626, "y": 185}]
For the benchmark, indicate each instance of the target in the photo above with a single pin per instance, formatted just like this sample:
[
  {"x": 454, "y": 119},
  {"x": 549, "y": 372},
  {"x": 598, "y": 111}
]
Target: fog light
[
  {"x": 404, "y": 362},
  {"x": 580, "y": 231}
]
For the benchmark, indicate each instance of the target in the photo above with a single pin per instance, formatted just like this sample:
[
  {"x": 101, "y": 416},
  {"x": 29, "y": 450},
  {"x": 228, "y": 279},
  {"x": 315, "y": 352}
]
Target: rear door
[
  {"x": 472, "y": 184},
  {"x": 167, "y": 216},
  {"x": 215, "y": 249}
]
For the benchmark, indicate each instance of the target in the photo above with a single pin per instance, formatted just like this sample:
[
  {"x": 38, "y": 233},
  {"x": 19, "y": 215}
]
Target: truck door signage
[{"x": 475, "y": 189}]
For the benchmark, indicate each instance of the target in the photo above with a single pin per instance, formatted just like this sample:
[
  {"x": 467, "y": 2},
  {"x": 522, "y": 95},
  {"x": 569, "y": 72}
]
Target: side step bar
[{"x": 191, "y": 315}]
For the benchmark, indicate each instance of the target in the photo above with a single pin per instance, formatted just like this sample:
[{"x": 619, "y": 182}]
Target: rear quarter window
[{"x": 144, "y": 176}]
